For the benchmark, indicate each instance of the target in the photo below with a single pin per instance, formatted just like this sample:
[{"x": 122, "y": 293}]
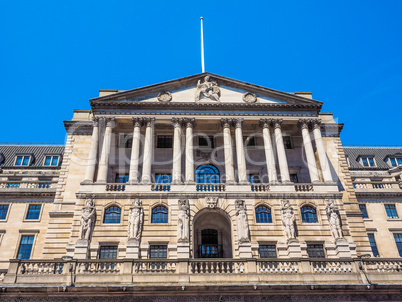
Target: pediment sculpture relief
[{"x": 208, "y": 89}]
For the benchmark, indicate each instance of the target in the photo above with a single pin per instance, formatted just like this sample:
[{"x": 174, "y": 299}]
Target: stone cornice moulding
[{"x": 61, "y": 214}]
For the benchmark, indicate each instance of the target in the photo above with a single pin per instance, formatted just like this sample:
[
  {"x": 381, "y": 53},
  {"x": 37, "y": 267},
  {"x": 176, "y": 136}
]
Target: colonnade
[{"x": 268, "y": 126}]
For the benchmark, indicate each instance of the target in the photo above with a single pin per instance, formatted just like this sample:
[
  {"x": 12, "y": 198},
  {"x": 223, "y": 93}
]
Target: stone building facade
[{"x": 201, "y": 183}]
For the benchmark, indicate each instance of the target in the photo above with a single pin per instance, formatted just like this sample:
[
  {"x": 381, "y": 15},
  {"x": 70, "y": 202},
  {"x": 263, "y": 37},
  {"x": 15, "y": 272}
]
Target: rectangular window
[
  {"x": 206, "y": 141},
  {"x": 287, "y": 142},
  {"x": 22, "y": 160},
  {"x": 249, "y": 141},
  {"x": 363, "y": 209},
  {"x": 398, "y": 241},
  {"x": 125, "y": 141},
  {"x": 315, "y": 251},
  {"x": 164, "y": 141},
  {"x": 33, "y": 211},
  {"x": 24, "y": 252},
  {"x": 108, "y": 252},
  {"x": 293, "y": 178},
  {"x": 395, "y": 161},
  {"x": 121, "y": 178},
  {"x": 253, "y": 178},
  {"x": 391, "y": 211},
  {"x": 373, "y": 245},
  {"x": 51, "y": 160},
  {"x": 267, "y": 251},
  {"x": 368, "y": 161},
  {"x": 158, "y": 252},
  {"x": 3, "y": 211},
  {"x": 163, "y": 178}
]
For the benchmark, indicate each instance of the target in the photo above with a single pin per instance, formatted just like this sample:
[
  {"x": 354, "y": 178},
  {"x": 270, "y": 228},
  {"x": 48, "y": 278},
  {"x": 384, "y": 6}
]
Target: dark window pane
[
  {"x": 33, "y": 212},
  {"x": 371, "y": 161},
  {"x": 287, "y": 142},
  {"x": 25, "y": 249},
  {"x": 365, "y": 162},
  {"x": 398, "y": 241},
  {"x": 209, "y": 236},
  {"x": 158, "y": 251},
  {"x": 206, "y": 141},
  {"x": 391, "y": 211},
  {"x": 363, "y": 209},
  {"x": 393, "y": 161},
  {"x": 3, "y": 211},
  {"x": 309, "y": 214},
  {"x": 18, "y": 162},
  {"x": 253, "y": 178},
  {"x": 112, "y": 215},
  {"x": 25, "y": 162},
  {"x": 315, "y": 251},
  {"x": 207, "y": 174},
  {"x": 48, "y": 160},
  {"x": 108, "y": 252},
  {"x": 159, "y": 215},
  {"x": 55, "y": 160},
  {"x": 267, "y": 251},
  {"x": 263, "y": 214},
  {"x": 293, "y": 178},
  {"x": 164, "y": 141},
  {"x": 121, "y": 178},
  {"x": 373, "y": 245},
  {"x": 163, "y": 178},
  {"x": 249, "y": 141}
]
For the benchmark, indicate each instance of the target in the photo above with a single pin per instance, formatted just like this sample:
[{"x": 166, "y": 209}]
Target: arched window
[
  {"x": 263, "y": 214},
  {"x": 112, "y": 215},
  {"x": 159, "y": 215},
  {"x": 207, "y": 174},
  {"x": 309, "y": 214}
]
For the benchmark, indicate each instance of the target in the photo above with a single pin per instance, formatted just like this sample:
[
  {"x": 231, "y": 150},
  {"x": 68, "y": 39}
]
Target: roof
[
  {"x": 380, "y": 155},
  {"x": 9, "y": 152}
]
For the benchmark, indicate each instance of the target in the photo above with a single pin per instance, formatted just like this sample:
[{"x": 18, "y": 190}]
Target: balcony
[
  {"x": 170, "y": 272},
  {"x": 376, "y": 187},
  {"x": 28, "y": 186}
]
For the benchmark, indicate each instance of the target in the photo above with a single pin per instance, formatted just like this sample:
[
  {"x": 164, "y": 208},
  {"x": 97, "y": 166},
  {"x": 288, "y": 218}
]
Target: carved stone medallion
[
  {"x": 249, "y": 97},
  {"x": 164, "y": 97}
]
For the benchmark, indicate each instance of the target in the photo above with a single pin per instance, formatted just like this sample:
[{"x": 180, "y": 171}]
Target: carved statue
[
  {"x": 208, "y": 89},
  {"x": 88, "y": 218},
  {"x": 334, "y": 219},
  {"x": 183, "y": 224},
  {"x": 135, "y": 220},
  {"x": 288, "y": 219},
  {"x": 242, "y": 223}
]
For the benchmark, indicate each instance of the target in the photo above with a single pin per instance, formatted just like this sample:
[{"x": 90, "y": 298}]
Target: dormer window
[
  {"x": 367, "y": 161},
  {"x": 51, "y": 160},
  {"x": 395, "y": 161},
  {"x": 23, "y": 160}
]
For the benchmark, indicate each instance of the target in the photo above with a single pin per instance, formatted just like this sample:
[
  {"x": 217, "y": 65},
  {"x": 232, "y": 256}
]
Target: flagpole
[{"x": 202, "y": 47}]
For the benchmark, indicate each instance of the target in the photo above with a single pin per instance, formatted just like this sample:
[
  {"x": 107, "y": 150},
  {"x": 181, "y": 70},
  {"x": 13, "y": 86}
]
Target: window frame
[
  {"x": 26, "y": 219},
  {"x": 126, "y": 176},
  {"x": 398, "y": 243},
  {"x": 158, "y": 246},
  {"x": 7, "y": 212},
  {"x": 125, "y": 141},
  {"x": 365, "y": 213},
  {"x": 303, "y": 214},
  {"x": 164, "y": 176},
  {"x": 211, "y": 176},
  {"x": 23, "y": 159},
  {"x": 396, "y": 159},
  {"x": 251, "y": 178},
  {"x": 164, "y": 141},
  {"x": 267, "y": 245},
  {"x": 107, "y": 207},
  {"x": 20, "y": 242},
  {"x": 52, "y": 156},
  {"x": 287, "y": 139},
  {"x": 367, "y": 158},
  {"x": 210, "y": 138},
  {"x": 103, "y": 246},
  {"x": 387, "y": 207},
  {"x": 260, "y": 213},
  {"x": 373, "y": 244},
  {"x": 156, "y": 220},
  {"x": 315, "y": 244}
]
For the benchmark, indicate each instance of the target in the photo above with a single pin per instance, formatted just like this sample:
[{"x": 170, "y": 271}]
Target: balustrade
[
  {"x": 27, "y": 185},
  {"x": 154, "y": 267},
  {"x": 282, "y": 267},
  {"x": 211, "y": 188},
  {"x": 41, "y": 268},
  {"x": 115, "y": 187},
  {"x": 161, "y": 187},
  {"x": 259, "y": 188},
  {"x": 98, "y": 267},
  {"x": 304, "y": 188},
  {"x": 223, "y": 266},
  {"x": 332, "y": 266},
  {"x": 383, "y": 266}
]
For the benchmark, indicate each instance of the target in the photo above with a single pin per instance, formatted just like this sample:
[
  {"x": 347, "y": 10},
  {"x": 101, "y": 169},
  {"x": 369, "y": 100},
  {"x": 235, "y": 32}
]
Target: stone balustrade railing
[
  {"x": 278, "y": 267},
  {"x": 216, "y": 266},
  {"x": 28, "y": 184},
  {"x": 375, "y": 186},
  {"x": 304, "y": 188}
]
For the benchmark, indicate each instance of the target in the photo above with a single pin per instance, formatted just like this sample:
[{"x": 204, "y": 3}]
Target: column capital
[
  {"x": 177, "y": 122},
  {"x": 238, "y": 122},
  {"x": 316, "y": 123},
  {"x": 111, "y": 122},
  {"x": 95, "y": 121},
  {"x": 148, "y": 121},
  {"x": 277, "y": 122},
  {"x": 303, "y": 123},
  {"x": 189, "y": 122},
  {"x": 137, "y": 121},
  {"x": 225, "y": 122},
  {"x": 265, "y": 123}
]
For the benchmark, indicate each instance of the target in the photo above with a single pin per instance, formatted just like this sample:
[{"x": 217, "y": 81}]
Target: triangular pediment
[{"x": 205, "y": 89}]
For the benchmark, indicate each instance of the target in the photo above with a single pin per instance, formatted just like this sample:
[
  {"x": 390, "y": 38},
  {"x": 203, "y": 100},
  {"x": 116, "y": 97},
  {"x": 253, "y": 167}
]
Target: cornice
[
  {"x": 79, "y": 127},
  {"x": 378, "y": 194}
]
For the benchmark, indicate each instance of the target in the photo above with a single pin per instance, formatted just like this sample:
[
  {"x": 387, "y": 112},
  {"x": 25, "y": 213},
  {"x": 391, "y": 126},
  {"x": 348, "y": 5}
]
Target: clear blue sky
[{"x": 55, "y": 55}]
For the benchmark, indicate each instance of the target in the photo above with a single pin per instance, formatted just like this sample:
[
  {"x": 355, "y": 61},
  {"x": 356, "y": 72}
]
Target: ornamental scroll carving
[
  {"x": 288, "y": 219},
  {"x": 135, "y": 220},
  {"x": 208, "y": 89},
  {"x": 242, "y": 223},
  {"x": 334, "y": 219},
  {"x": 88, "y": 218}
]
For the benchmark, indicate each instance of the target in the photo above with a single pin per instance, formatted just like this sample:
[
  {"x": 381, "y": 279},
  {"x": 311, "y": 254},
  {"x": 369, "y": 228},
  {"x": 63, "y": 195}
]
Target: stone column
[
  {"x": 189, "y": 168},
  {"x": 176, "y": 170},
  {"x": 93, "y": 152},
  {"x": 241, "y": 158},
  {"x": 148, "y": 150},
  {"x": 269, "y": 152},
  {"x": 104, "y": 160},
  {"x": 227, "y": 144},
  {"x": 308, "y": 149},
  {"x": 322, "y": 155},
  {"x": 135, "y": 150},
  {"x": 280, "y": 149}
]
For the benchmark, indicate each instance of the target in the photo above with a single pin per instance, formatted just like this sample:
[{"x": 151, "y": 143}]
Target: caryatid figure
[
  {"x": 288, "y": 219},
  {"x": 183, "y": 223},
  {"x": 135, "y": 220},
  {"x": 88, "y": 218},
  {"x": 334, "y": 219},
  {"x": 242, "y": 223}
]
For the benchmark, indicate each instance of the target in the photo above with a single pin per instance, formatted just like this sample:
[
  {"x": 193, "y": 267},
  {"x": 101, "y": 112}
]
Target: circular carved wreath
[
  {"x": 165, "y": 97},
  {"x": 249, "y": 97}
]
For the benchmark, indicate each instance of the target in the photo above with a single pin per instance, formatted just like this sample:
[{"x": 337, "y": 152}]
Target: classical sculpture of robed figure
[
  {"x": 288, "y": 220},
  {"x": 208, "y": 89},
  {"x": 242, "y": 223},
  {"x": 334, "y": 219},
  {"x": 135, "y": 220},
  {"x": 183, "y": 223},
  {"x": 88, "y": 218}
]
